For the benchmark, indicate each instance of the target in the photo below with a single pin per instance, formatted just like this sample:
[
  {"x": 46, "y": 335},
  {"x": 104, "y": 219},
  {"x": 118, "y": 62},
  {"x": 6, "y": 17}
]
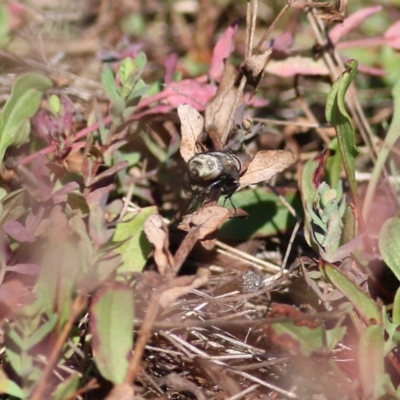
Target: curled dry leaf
[
  {"x": 183, "y": 285},
  {"x": 218, "y": 109},
  {"x": 207, "y": 220},
  {"x": 265, "y": 165},
  {"x": 253, "y": 67},
  {"x": 192, "y": 126},
  {"x": 157, "y": 234}
]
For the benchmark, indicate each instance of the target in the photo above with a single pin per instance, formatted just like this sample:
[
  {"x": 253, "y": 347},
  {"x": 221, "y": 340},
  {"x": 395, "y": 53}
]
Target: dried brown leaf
[
  {"x": 218, "y": 109},
  {"x": 157, "y": 234},
  {"x": 265, "y": 165},
  {"x": 207, "y": 220},
  {"x": 254, "y": 67},
  {"x": 192, "y": 126}
]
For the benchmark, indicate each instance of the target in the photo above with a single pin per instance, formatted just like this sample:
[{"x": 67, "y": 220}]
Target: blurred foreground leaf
[
  {"x": 111, "y": 325},
  {"x": 9, "y": 387},
  {"x": 374, "y": 382},
  {"x": 67, "y": 388}
]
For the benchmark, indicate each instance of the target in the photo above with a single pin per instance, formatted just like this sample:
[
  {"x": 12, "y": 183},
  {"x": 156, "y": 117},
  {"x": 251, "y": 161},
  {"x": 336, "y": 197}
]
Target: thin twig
[{"x": 78, "y": 305}]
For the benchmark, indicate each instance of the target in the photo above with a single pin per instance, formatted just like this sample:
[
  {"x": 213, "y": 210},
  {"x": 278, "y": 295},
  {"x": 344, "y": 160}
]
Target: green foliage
[
  {"x": 337, "y": 115},
  {"x": 391, "y": 139},
  {"x": 111, "y": 326},
  {"x": 389, "y": 244},
  {"x": 376, "y": 384},
  {"x": 66, "y": 388},
  {"x": 365, "y": 306},
  {"x": 54, "y": 104},
  {"x": 134, "y": 248},
  {"x": 125, "y": 94},
  {"x": 26, "y": 95},
  {"x": 276, "y": 218},
  {"x": 23, "y": 335}
]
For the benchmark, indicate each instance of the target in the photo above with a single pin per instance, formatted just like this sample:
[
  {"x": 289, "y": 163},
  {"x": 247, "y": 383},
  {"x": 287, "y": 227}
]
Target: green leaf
[
  {"x": 14, "y": 357},
  {"x": 337, "y": 115},
  {"x": 24, "y": 102},
  {"x": 9, "y": 387},
  {"x": 311, "y": 177},
  {"x": 136, "y": 248},
  {"x": 364, "y": 305},
  {"x": 109, "y": 85},
  {"x": 276, "y": 218},
  {"x": 396, "y": 308},
  {"x": 391, "y": 139},
  {"x": 371, "y": 360},
  {"x": 66, "y": 388},
  {"x": 54, "y": 104},
  {"x": 111, "y": 326},
  {"x": 389, "y": 244},
  {"x": 40, "y": 333},
  {"x": 299, "y": 337},
  {"x": 334, "y": 337},
  {"x": 154, "y": 148}
]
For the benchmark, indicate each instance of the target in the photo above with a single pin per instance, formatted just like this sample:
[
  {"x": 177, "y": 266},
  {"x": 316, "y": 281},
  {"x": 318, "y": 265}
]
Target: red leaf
[
  {"x": 352, "y": 22},
  {"x": 222, "y": 50},
  {"x": 393, "y": 36}
]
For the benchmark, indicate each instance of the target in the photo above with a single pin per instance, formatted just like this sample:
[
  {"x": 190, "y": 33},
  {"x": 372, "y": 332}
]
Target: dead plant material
[
  {"x": 205, "y": 221},
  {"x": 157, "y": 234},
  {"x": 176, "y": 382},
  {"x": 253, "y": 67},
  {"x": 192, "y": 126},
  {"x": 265, "y": 165},
  {"x": 161, "y": 298},
  {"x": 219, "y": 108}
]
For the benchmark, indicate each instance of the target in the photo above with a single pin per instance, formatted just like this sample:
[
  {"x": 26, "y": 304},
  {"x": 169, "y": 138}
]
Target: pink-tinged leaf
[
  {"x": 11, "y": 293},
  {"x": 392, "y": 35},
  {"x": 366, "y": 69},
  {"x": 27, "y": 269},
  {"x": 222, "y": 50},
  {"x": 67, "y": 113},
  {"x": 283, "y": 42},
  {"x": 170, "y": 66},
  {"x": 18, "y": 232},
  {"x": 41, "y": 122},
  {"x": 160, "y": 109},
  {"x": 352, "y": 22},
  {"x": 190, "y": 91},
  {"x": 297, "y": 65},
  {"x": 254, "y": 101},
  {"x": 61, "y": 194}
]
